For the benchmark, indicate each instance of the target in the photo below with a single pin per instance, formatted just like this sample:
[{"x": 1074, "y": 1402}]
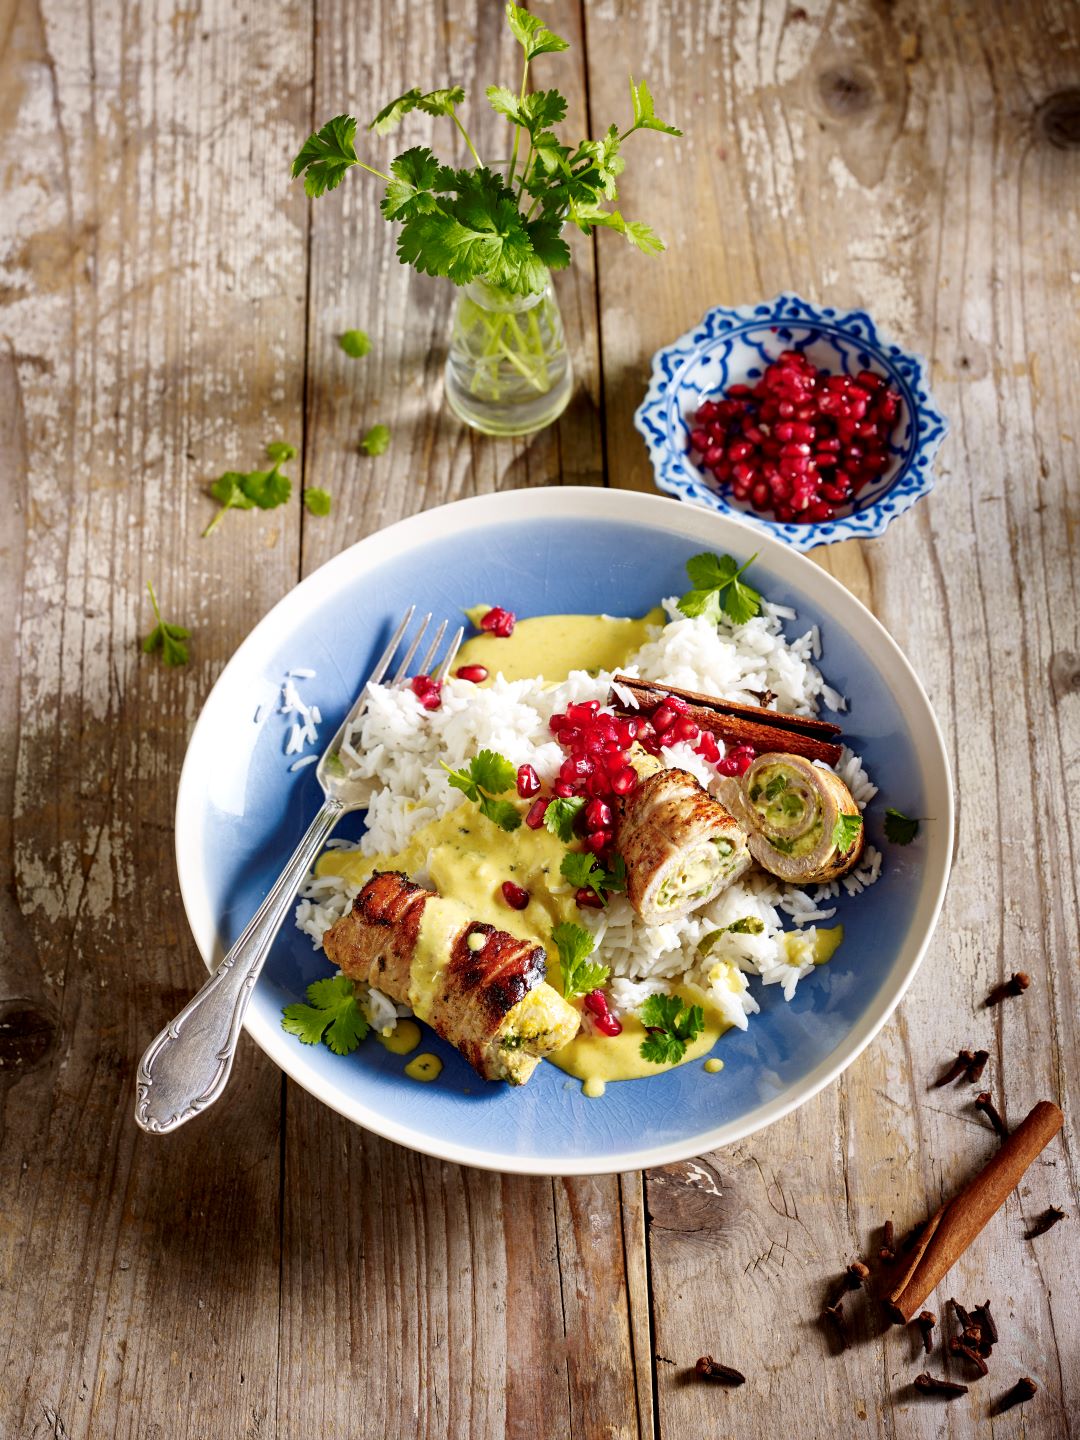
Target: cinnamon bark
[
  {"x": 951, "y": 1230},
  {"x": 765, "y": 730}
]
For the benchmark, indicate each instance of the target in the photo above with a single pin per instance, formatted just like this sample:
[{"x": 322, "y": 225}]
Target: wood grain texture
[{"x": 168, "y": 303}]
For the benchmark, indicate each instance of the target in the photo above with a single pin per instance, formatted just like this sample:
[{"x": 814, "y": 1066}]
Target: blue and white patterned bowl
[{"x": 734, "y": 345}]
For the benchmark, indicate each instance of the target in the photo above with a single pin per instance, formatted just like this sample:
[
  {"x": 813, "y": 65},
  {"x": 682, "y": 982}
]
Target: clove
[
  {"x": 1024, "y": 1389},
  {"x": 959, "y": 1347},
  {"x": 1015, "y": 985},
  {"x": 962, "y": 1316},
  {"x": 1046, "y": 1221},
  {"x": 710, "y": 1369},
  {"x": 834, "y": 1316},
  {"x": 926, "y": 1320},
  {"x": 977, "y": 1066},
  {"x": 931, "y": 1385},
  {"x": 964, "y": 1060},
  {"x": 989, "y": 1109},
  {"x": 887, "y": 1253},
  {"x": 852, "y": 1279},
  {"x": 982, "y": 1315}
]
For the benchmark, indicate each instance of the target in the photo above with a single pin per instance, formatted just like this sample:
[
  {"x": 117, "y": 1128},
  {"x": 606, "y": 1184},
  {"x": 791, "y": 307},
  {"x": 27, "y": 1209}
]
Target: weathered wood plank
[
  {"x": 152, "y": 293},
  {"x": 892, "y": 157}
]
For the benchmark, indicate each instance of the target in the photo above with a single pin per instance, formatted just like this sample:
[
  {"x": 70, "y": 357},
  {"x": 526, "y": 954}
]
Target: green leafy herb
[
  {"x": 901, "y": 829},
  {"x": 846, "y": 831},
  {"x": 474, "y": 223},
  {"x": 332, "y": 1014},
  {"x": 169, "y": 639},
  {"x": 489, "y": 774},
  {"x": 672, "y": 1025},
  {"x": 560, "y": 815},
  {"x": 575, "y": 945},
  {"x": 584, "y": 871},
  {"x": 718, "y": 589},
  {"x": 748, "y": 925},
  {"x": 265, "y": 489},
  {"x": 376, "y": 440},
  {"x": 317, "y": 501},
  {"x": 355, "y": 343}
]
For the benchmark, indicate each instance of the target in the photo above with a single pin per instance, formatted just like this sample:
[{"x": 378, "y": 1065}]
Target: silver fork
[{"x": 186, "y": 1067}]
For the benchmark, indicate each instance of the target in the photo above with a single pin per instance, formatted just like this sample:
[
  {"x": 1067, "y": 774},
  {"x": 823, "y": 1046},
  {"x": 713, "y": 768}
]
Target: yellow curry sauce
[{"x": 467, "y": 858}]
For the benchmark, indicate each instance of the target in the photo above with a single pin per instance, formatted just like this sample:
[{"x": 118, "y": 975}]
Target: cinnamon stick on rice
[
  {"x": 949, "y": 1233},
  {"x": 767, "y": 731}
]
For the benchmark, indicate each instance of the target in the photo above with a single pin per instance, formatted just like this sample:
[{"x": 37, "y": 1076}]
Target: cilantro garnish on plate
[
  {"x": 901, "y": 829},
  {"x": 579, "y": 975},
  {"x": 672, "y": 1025},
  {"x": 489, "y": 774},
  {"x": 585, "y": 872},
  {"x": 846, "y": 831},
  {"x": 560, "y": 815},
  {"x": 718, "y": 589},
  {"x": 332, "y": 1014}
]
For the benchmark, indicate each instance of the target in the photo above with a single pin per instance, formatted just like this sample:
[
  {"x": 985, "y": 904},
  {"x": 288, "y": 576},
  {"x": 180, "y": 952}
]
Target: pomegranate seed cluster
[{"x": 799, "y": 442}]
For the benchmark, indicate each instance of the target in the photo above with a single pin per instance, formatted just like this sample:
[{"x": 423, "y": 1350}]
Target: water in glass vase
[{"x": 508, "y": 371}]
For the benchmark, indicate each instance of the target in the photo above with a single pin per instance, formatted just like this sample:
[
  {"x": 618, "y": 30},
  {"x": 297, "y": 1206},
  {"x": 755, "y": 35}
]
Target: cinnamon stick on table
[
  {"x": 949, "y": 1233},
  {"x": 767, "y": 731}
]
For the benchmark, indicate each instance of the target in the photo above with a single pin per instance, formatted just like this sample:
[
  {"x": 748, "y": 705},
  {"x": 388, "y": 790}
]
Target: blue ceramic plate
[
  {"x": 734, "y": 344},
  {"x": 240, "y": 811}
]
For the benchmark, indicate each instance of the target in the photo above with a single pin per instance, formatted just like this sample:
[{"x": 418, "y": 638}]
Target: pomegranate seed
[
  {"x": 597, "y": 815},
  {"x": 624, "y": 780},
  {"x": 700, "y": 440},
  {"x": 685, "y": 728},
  {"x": 499, "y": 622},
  {"x": 582, "y": 713},
  {"x": 663, "y": 717},
  {"x": 598, "y": 841},
  {"x": 563, "y": 789},
  {"x": 607, "y": 1024},
  {"x": 528, "y": 782},
  {"x": 537, "y": 810},
  {"x": 475, "y": 673},
  {"x": 586, "y": 899},
  {"x": 707, "y": 747},
  {"x": 514, "y": 895}
]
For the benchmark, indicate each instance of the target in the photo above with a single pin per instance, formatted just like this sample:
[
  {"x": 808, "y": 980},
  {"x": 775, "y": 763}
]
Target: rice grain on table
[{"x": 398, "y": 747}]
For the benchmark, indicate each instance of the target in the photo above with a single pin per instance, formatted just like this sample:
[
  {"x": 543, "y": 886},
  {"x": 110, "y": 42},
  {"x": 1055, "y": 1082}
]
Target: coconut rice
[{"x": 398, "y": 746}]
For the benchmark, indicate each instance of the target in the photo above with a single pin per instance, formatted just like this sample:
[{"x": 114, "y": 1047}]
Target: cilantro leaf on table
[
  {"x": 489, "y": 774},
  {"x": 326, "y": 155},
  {"x": 846, "y": 831},
  {"x": 332, "y": 1014},
  {"x": 560, "y": 815},
  {"x": 169, "y": 639},
  {"x": 672, "y": 1025},
  {"x": 265, "y": 489},
  {"x": 584, "y": 871},
  {"x": 718, "y": 589},
  {"x": 575, "y": 945},
  {"x": 317, "y": 501},
  {"x": 901, "y": 829},
  {"x": 376, "y": 441},
  {"x": 355, "y": 343}
]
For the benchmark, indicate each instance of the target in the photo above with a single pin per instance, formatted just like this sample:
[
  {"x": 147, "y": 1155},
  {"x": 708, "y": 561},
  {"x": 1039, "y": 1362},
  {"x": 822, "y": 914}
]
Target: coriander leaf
[
  {"x": 711, "y": 572},
  {"x": 441, "y": 102},
  {"x": 267, "y": 488},
  {"x": 547, "y": 243},
  {"x": 742, "y": 602},
  {"x": 326, "y": 155},
  {"x": 355, "y": 343},
  {"x": 376, "y": 440},
  {"x": 392, "y": 114},
  {"x": 550, "y": 154},
  {"x": 846, "y": 832},
  {"x": 701, "y": 602},
  {"x": 534, "y": 112},
  {"x": 643, "y": 237},
  {"x": 169, "y": 639},
  {"x": 583, "y": 870},
  {"x": 493, "y": 772},
  {"x": 615, "y": 878},
  {"x": 461, "y": 780},
  {"x": 575, "y": 945},
  {"x": 280, "y": 450},
  {"x": 227, "y": 492},
  {"x": 416, "y": 175},
  {"x": 332, "y": 1014},
  {"x": 901, "y": 829},
  {"x": 500, "y": 812},
  {"x": 644, "y": 114},
  {"x": 717, "y": 588},
  {"x": 560, "y": 815},
  {"x": 532, "y": 34},
  {"x": 317, "y": 501},
  {"x": 675, "y": 1026}
]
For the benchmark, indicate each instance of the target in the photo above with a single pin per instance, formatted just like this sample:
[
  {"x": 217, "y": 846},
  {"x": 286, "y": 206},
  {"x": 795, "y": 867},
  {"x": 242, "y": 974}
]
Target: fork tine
[
  {"x": 432, "y": 651},
  {"x": 388, "y": 654},
  {"x": 403, "y": 668},
  {"x": 451, "y": 655}
]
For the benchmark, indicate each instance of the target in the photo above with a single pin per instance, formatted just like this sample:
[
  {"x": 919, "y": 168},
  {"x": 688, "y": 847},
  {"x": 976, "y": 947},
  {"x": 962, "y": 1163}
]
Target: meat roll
[
  {"x": 681, "y": 847},
  {"x": 804, "y": 826},
  {"x": 479, "y": 988}
]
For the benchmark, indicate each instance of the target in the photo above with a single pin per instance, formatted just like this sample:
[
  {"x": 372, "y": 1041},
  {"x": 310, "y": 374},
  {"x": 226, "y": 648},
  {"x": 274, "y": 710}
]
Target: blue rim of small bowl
[{"x": 660, "y": 420}]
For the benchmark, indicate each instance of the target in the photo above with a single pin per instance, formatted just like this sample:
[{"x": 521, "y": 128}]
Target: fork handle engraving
[{"x": 186, "y": 1067}]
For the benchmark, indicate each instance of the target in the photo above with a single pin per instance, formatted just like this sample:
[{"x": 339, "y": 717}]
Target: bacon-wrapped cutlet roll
[
  {"x": 481, "y": 989},
  {"x": 680, "y": 846}
]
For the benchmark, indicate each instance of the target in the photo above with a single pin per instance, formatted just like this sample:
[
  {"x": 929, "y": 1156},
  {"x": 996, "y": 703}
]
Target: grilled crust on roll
[
  {"x": 492, "y": 1002},
  {"x": 680, "y": 846},
  {"x": 792, "y": 825}
]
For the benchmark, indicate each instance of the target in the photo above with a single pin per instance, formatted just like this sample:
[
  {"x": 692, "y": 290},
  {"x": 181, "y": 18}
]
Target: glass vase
[{"x": 508, "y": 371}]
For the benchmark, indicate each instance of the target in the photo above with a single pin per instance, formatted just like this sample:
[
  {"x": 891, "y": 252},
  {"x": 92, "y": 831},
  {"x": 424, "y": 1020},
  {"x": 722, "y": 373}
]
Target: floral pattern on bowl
[{"x": 734, "y": 345}]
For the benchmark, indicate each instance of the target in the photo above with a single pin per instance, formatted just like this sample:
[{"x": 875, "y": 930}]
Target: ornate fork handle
[{"x": 185, "y": 1068}]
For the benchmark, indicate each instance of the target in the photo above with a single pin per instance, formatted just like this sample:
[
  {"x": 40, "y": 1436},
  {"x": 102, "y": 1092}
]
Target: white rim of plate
[{"x": 653, "y": 512}]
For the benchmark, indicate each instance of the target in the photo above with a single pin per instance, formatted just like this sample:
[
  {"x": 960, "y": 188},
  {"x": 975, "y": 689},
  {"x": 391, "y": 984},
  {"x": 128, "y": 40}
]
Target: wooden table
[{"x": 168, "y": 303}]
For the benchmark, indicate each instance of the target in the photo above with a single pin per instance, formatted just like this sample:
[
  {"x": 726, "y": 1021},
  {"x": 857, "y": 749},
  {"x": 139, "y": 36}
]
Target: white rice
[{"x": 398, "y": 747}]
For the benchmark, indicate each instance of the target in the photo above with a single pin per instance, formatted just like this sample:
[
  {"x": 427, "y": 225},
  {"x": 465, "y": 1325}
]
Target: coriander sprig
[
  {"x": 489, "y": 774},
  {"x": 672, "y": 1025},
  {"x": 585, "y": 872},
  {"x": 169, "y": 639},
  {"x": 468, "y": 224},
  {"x": 900, "y": 829},
  {"x": 332, "y": 1014},
  {"x": 846, "y": 832},
  {"x": 575, "y": 945},
  {"x": 718, "y": 589},
  {"x": 262, "y": 489}
]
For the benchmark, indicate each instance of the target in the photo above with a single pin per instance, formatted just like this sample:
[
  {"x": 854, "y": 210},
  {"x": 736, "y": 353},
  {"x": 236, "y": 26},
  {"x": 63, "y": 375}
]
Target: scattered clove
[
  {"x": 960, "y": 1347},
  {"x": 834, "y": 1316},
  {"x": 887, "y": 1253},
  {"x": 852, "y": 1279},
  {"x": 1015, "y": 985},
  {"x": 989, "y": 1109},
  {"x": 926, "y": 1320},
  {"x": 977, "y": 1066},
  {"x": 710, "y": 1369},
  {"x": 964, "y": 1060},
  {"x": 931, "y": 1385},
  {"x": 1046, "y": 1221},
  {"x": 962, "y": 1316},
  {"x": 1024, "y": 1389},
  {"x": 981, "y": 1314}
]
